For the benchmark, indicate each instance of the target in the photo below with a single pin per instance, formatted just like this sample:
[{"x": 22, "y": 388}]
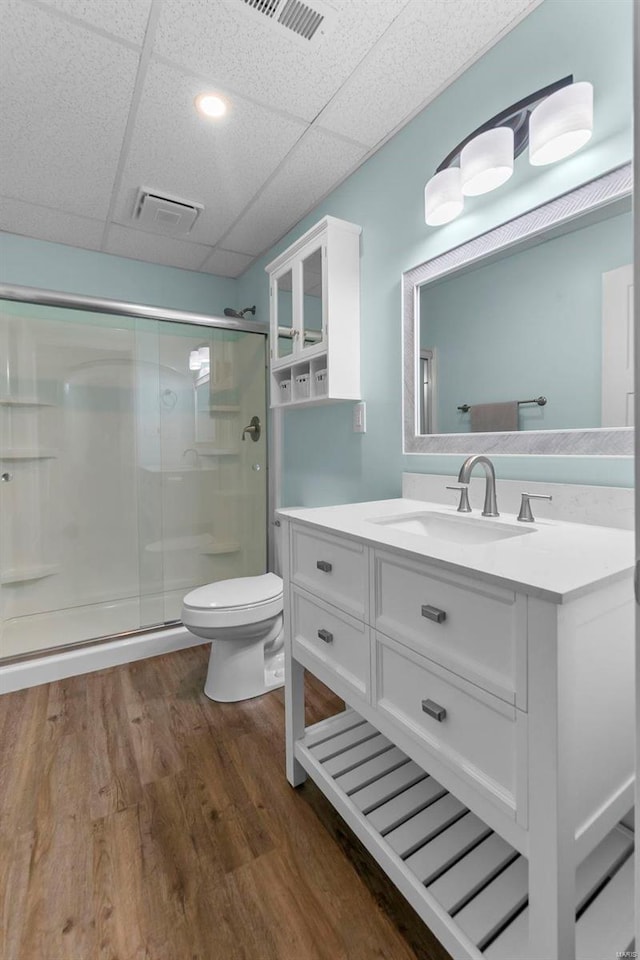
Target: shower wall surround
[{"x": 129, "y": 484}]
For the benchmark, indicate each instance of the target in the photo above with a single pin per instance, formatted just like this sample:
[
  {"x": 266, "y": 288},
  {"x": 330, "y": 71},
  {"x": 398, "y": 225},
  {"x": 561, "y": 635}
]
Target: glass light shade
[
  {"x": 561, "y": 124},
  {"x": 194, "y": 360},
  {"x": 487, "y": 161},
  {"x": 443, "y": 199}
]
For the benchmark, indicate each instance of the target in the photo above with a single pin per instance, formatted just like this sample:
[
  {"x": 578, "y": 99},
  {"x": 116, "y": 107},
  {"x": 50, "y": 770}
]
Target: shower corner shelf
[
  {"x": 220, "y": 548},
  {"x": 28, "y": 573},
  {"x": 206, "y": 450},
  {"x": 40, "y": 453}
]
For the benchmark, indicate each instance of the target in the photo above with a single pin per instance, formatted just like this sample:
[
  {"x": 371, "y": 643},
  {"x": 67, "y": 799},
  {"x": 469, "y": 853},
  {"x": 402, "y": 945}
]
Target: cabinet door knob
[
  {"x": 326, "y": 636},
  {"x": 324, "y": 565},
  {"x": 433, "y": 613},
  {"x": 434, "y": 710}
]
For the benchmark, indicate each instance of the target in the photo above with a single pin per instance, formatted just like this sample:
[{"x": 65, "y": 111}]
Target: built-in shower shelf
[
  {"x": 26, "y": 454},
  {"x": 463, "y": 879},
  {"x": 223, "y": 408},
  {"x": 204, "y": 543},
  {"x": 27, "y": 573},
  {"x": 25, "y": 402},
  {"x": 204, "y": 451},
  {"x": 185, "y": 468},
  {"x": 229, "y": 546}
]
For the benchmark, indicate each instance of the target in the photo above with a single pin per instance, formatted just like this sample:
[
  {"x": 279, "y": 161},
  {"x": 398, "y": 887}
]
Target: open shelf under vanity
[{"x": 446, "y": 861}]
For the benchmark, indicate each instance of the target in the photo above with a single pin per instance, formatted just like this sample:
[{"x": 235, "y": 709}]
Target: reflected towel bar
[{"x": 541, "y": 401}]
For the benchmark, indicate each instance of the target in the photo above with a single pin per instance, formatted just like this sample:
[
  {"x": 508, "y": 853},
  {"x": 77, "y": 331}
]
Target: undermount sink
[{"x": 453, "y": 529}]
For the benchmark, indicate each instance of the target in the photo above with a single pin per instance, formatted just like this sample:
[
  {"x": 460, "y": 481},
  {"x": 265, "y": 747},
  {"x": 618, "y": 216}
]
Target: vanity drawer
[
  {"x": 479, "y": 737},
  {"x": 332, "y": 638},
  {"x": 332, "y": 568},
  {"x": 473, "y": 628}
]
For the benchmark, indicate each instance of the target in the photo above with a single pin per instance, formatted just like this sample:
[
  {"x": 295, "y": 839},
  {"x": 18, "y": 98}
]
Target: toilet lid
[{"x": 239, "y": 592}]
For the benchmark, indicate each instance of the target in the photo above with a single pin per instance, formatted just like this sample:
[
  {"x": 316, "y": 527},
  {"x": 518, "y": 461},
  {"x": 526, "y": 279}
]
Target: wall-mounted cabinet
[{"x": 314, "y": 288}]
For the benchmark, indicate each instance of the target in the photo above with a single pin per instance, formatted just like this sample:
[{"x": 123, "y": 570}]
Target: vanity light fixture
[
  {"x": 561, "y": 124},
  {"x": 553, "y": 122},
  {"x": 211, "y": 105}
]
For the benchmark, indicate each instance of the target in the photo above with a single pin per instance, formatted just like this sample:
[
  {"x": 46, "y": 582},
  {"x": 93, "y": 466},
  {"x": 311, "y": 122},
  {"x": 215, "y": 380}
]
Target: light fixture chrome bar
[
  {"x": 516, "y": 116},
  {"x": 72, "y": 301}
]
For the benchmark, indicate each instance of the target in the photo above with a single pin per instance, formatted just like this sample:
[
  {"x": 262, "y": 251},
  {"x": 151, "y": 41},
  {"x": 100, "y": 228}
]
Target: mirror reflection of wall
[
  {"x": 312, "y": 293},
  {"x": 531, "y": 324}
]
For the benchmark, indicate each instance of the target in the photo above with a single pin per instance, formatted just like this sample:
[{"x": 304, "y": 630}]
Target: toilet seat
[{"x": 232, "y": 603}]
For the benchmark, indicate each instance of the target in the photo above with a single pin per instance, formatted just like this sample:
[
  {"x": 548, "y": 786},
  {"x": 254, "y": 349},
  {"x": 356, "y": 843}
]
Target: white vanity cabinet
[
  {"x": 314, "y": 291},
  {"x": 486, "y": 754}
]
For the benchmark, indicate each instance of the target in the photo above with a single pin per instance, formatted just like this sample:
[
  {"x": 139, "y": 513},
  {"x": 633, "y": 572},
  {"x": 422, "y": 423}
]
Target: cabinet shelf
[
  {"x": 464, "y": 880},
  {"x": 315, "y": 290}
]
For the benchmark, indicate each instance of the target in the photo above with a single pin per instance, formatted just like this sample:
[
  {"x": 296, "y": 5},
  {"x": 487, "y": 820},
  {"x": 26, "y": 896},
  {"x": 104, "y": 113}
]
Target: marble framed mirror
[{"x": 453, "y": 359}]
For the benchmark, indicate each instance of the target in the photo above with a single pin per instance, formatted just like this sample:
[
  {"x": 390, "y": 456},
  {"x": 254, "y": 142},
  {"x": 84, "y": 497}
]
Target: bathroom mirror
[{"x": 535, "y": 314}]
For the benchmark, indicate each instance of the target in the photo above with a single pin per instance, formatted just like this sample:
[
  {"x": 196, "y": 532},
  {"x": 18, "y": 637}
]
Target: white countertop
[{"x": 556, "y": 561}]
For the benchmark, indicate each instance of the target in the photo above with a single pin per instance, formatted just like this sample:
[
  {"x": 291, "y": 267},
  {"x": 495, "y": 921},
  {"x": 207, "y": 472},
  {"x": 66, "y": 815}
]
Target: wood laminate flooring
[{"x": 140, "y": 821}]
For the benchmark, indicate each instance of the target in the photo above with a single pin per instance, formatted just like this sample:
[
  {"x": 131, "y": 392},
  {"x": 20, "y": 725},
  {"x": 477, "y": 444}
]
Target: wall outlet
[{"x": 360, "y": 417}]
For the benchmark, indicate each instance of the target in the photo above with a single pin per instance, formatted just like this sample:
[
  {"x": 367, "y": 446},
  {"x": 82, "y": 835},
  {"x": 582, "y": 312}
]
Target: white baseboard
[{"x": 71, "y": 663}]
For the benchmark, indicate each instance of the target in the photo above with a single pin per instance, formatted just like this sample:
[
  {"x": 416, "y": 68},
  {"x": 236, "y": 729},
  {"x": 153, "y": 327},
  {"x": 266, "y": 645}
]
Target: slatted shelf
[{"x": 458, "y": 873}]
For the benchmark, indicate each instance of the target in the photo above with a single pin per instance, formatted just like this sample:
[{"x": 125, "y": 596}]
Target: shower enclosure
[{"x": 124, "y": 479}]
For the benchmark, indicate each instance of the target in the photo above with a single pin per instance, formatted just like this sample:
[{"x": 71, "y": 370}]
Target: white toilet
[{"x": 243, "y": 620}]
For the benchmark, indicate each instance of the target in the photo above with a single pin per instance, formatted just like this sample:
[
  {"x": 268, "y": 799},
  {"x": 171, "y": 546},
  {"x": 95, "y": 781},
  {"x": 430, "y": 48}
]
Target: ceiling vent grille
[
  {"x": 302, "y": 19},
  {"x": 161, "y": 213}
]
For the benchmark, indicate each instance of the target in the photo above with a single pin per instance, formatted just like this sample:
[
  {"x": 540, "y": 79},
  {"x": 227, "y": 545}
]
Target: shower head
[{"x": 239, "y": 314}]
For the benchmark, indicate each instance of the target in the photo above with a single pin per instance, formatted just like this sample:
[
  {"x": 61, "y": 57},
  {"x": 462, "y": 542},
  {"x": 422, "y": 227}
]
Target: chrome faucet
[{"x": 490, "y": 504}]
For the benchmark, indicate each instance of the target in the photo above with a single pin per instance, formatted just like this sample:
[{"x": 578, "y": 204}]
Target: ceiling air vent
[
  {"x": 161, "y": 213},
  {"x": 305, "y": 20}
]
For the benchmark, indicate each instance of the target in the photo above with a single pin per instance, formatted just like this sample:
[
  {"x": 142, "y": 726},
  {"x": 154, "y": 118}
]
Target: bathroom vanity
[{"x": 486, "y": 755}]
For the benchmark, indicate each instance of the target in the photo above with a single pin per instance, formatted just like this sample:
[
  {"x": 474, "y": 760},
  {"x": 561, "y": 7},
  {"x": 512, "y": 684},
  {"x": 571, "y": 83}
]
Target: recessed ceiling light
[{"x": 210, "y": 105}]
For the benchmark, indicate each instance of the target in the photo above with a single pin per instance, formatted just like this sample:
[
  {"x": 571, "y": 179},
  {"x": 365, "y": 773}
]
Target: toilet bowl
[{"x": 243, "y": 620}]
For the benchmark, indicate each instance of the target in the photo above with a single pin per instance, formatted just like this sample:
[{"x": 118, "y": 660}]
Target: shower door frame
[{"x": 72, "y": 301}]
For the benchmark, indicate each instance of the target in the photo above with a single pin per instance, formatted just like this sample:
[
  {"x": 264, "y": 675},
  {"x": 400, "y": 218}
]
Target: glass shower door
[{"x": 125, "y": 482}]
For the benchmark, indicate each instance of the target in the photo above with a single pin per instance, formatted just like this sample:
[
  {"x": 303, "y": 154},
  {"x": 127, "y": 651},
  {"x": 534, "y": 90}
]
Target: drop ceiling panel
[
  {"x": 64, "y": 100},
  {"x": 317, "y": 163},
  {"x": 43, "y": 223},
  {"x": 218, "y": 163},
  {"x": 168, "y": 251},
  {"x": 433, "y": 40},
  {"x": 226, "y": 263},
  {"x": 245, "y": 52},
  {"x": 126, "y": 19}
]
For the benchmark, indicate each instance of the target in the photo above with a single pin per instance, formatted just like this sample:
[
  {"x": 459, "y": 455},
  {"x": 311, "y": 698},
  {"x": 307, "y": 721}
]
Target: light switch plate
[{"x": 360, "y": 417}]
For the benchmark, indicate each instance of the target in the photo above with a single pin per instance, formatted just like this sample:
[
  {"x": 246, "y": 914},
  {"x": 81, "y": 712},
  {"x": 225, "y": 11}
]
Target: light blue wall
[
  {"x": 523, "y": 338},
  {"x": 55, "y": 266},
  {"x": 324, "y": 461}
]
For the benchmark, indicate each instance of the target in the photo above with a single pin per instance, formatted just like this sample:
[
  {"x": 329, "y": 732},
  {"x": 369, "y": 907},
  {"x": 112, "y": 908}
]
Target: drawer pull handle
[
  {"x": 432, "y": 613},
  {"x": 324, "y": 565},
  {"x": 326, "y": 636},
  {"x": 434, "y": 710}
]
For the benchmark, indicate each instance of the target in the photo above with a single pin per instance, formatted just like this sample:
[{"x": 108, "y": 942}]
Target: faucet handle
[
  {"x": 525, "y": 514},
  {"x": 464, "y": 506}
]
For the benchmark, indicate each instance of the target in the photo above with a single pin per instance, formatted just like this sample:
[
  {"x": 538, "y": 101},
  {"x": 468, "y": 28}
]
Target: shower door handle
[
  {"x": 254, "y": 429},
  {"x": 6, "y": 477}
]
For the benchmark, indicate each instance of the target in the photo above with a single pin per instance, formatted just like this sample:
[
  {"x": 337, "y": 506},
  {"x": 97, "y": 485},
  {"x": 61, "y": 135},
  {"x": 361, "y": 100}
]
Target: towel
[{"x": 494, "y": 417}]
